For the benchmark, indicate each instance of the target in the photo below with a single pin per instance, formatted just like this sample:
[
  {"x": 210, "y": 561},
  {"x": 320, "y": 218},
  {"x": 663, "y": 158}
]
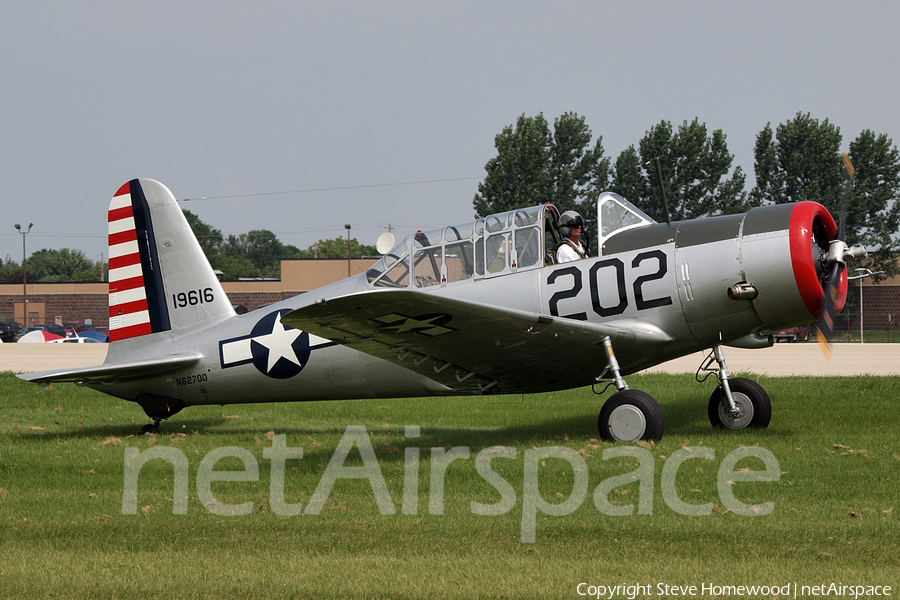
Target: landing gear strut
[
  {"x": 736, "y": 403},
  {"x": 627, "y": 415},
  {"x": 157, "y": 408}
]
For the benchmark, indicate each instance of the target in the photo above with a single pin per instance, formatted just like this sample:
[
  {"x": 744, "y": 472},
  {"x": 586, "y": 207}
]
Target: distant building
[{"x": 78, "y": 302}]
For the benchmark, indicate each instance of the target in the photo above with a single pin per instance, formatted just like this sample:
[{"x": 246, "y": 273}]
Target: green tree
[
  {"x": 235, "y": 267},
  {"x": 259, "y": 253},
  {"x": 209, "y": 237},
  {"x": 64, "y": 264},
  {"x": 337, "y": 248},
  {"x": 873, "y": 212},
  {"x": 260, "y": 247},
  {"x": 695, "y": 167},
  {"x": 519, "y": 174},
  {"x": 578, "y": 172},
  {"x": 629, "y": 179},
  {"x": 801, "y": 162},
  {"x": 534, "y": 166},
  {"x": 10, "y": 272}
]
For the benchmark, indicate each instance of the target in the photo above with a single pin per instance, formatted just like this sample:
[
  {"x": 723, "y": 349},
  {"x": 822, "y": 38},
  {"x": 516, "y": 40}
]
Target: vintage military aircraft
[{"x": 479, "y": 308}]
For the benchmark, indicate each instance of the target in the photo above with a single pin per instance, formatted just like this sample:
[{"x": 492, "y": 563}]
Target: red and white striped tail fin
[
  {"x": 129, "y": 314},
  {"x": 156, "y": 287}
]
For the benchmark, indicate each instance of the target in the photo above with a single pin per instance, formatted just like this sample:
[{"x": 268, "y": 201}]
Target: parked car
[
  {"x": 49, "y": 328},
  {"x": 92, "y": 335},
  {"x": 8, "y": 330},
  {"x": 794, "y": 334}
]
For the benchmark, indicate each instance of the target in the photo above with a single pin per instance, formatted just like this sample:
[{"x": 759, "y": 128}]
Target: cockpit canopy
[
  {"x": 615, "y": 214},
  {"x": 495, "y": 245}
]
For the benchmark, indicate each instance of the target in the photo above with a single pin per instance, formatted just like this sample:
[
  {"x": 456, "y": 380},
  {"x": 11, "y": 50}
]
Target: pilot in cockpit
[{"x": 571, "y": 225}]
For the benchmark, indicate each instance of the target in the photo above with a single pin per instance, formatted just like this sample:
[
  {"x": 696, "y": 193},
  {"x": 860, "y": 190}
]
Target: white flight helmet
[{"x": 567, "y": 221}]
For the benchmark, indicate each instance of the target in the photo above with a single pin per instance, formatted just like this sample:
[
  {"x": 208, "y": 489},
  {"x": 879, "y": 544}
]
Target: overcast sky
[{"x": 248, "y": 99}]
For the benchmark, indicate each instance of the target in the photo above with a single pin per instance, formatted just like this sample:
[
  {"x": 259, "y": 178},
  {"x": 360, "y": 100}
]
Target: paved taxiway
[
  {"x": 779, "y": 360},
  {"x": 784, "y": 359}
]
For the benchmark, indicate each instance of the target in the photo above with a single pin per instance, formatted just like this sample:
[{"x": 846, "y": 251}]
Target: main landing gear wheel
[
  {"x": 755, "y": 408},
  {"x": 631, "y": 415}
]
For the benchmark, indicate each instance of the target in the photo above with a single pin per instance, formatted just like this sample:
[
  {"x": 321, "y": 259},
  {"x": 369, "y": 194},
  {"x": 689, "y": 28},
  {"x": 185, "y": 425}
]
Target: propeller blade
[
  {"x": 849, "y": 174},
  {"x": 825, "y": 327}
]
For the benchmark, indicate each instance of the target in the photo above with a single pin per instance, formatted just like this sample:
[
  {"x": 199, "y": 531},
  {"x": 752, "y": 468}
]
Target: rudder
[{"x": 159, "y": 278}]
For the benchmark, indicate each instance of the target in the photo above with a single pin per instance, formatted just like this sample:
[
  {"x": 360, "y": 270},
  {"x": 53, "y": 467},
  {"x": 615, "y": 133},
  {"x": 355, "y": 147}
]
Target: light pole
[
  {"x": 862, "y": 273},
  {"x": 24, "y": 274},
  {"x": 347, "y": 227},
  {"x": 861, "y": 340}
]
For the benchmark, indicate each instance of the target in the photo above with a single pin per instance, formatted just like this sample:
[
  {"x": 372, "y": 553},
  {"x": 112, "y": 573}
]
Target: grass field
[{"x": 63, "y": 533}]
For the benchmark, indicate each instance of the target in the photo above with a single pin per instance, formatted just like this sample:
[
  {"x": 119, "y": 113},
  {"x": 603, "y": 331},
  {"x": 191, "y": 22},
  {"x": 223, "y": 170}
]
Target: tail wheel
[
  {"x": 631, "y": 415},
  {"x": 150, "y": 429},
  {"x": 752, "y": 400}
]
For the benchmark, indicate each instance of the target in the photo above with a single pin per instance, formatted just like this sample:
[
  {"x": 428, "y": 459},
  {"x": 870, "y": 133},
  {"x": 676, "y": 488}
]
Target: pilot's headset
[{"x": 567, "y": 221}]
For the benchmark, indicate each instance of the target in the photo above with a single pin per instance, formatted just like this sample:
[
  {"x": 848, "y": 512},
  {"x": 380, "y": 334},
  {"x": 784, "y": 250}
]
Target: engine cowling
[
  {"x": 763, "y": 270},
  {"x": 783, "y": 250}
]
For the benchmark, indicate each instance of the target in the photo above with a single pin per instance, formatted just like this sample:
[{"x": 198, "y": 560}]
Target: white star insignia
[
  {"x": 412, "y": 324},
  {"x": 403, "y": 324},
  {"x": 279, "y": 343}
]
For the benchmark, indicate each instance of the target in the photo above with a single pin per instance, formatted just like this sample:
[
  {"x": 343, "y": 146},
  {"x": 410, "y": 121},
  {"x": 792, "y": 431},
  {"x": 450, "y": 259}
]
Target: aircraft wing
[
  {"x": 469, "y": 347},
  {"x": 115, "y": 371}
]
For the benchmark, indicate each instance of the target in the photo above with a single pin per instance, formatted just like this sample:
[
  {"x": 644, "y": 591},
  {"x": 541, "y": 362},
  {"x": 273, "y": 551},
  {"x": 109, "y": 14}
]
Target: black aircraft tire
[
  {"x": 631, "y": 415},
  {"x": 749, "y": 395}
]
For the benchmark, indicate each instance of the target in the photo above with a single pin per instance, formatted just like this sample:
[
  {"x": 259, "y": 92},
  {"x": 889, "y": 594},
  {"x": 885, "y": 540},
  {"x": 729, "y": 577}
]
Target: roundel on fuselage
[{"x": 278, "y": 351}]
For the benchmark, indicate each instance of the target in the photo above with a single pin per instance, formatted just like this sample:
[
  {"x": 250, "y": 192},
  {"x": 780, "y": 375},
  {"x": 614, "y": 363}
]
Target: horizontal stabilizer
[{"x": 115, "y": 371}]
